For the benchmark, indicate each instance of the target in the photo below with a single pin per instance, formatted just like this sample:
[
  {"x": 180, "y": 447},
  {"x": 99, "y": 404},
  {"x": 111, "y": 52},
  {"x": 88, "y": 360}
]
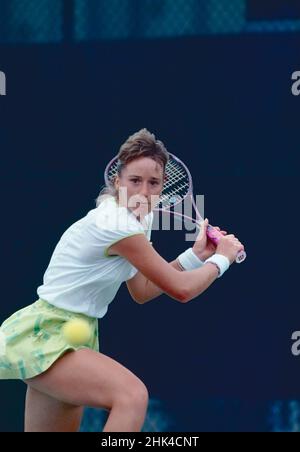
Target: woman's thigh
[
  {"x": 46, "y": 414},
  {"x": 88, "y": 378}
]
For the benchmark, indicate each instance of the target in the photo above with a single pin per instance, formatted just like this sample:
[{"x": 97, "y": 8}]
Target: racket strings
[
  {"x": 176, "y": 186},
  {"x": 112, "y": 172},
  {"x": 174, "y": 173},
  {"x": 174, "y": 195}
]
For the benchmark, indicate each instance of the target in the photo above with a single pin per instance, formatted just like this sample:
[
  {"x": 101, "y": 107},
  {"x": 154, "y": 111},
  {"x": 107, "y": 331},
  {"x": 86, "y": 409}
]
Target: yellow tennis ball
[{"x": 77, "y": 331}]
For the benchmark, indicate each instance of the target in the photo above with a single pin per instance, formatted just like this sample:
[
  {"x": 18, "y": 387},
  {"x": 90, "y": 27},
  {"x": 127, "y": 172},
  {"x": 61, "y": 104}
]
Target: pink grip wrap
[{"x": 214, "y": 235}]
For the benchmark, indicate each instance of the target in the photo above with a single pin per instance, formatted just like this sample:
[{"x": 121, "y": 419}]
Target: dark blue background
[{"x": 224, "y": 106}]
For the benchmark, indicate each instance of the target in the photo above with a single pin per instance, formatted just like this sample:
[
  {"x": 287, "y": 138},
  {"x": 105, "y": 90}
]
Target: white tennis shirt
[{"x": 81, "y": 276}]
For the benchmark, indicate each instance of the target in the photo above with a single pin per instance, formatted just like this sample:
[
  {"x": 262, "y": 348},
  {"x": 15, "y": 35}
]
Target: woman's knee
[{"x": 135, "y": 394}]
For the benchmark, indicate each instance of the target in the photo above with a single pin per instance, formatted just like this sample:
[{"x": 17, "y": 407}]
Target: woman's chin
[{"x": 141, "y": 211}]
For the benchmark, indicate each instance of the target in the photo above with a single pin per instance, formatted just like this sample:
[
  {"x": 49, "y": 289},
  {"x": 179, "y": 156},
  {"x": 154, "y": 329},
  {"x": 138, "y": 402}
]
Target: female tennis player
[{"x": 107, "y": 247}]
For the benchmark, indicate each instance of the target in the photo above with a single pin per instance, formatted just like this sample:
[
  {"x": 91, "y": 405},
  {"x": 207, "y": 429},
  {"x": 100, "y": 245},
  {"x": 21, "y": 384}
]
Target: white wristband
[
  {"x": 222, "y": 262},
  {"x": 189, "y": 261}
]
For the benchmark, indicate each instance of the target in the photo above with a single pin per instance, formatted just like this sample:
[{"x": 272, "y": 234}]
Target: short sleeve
[{"x": 114, "y": 223}]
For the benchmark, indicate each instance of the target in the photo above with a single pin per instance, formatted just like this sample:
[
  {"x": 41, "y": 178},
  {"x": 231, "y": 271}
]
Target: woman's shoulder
[{"x": 110, "y": 216}]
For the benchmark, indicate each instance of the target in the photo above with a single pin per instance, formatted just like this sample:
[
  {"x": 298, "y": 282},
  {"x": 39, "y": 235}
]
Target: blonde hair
[{"x": 141, "y": 144}]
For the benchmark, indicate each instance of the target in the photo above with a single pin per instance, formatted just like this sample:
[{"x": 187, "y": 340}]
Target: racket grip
[{"x": 214, "y": 235}]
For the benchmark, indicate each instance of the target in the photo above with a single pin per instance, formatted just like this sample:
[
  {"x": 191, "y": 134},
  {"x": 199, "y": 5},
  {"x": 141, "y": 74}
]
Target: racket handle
[{"x": 214, "y": 235}]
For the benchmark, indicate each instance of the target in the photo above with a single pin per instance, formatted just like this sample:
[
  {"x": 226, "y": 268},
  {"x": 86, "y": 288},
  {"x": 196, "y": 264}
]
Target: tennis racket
[{"x": 177, "y": 187}]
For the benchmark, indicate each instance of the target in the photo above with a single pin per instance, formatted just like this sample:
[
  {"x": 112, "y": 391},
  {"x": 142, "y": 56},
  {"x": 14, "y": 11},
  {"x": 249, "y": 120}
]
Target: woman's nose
[{"x": 144, "y": 190}]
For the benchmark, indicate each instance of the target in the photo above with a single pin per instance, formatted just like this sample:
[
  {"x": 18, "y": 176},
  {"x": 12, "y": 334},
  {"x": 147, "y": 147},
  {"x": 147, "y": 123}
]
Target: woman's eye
[
  {"x": 134, "y": 180},
  {"x": 154, "y": 183}
]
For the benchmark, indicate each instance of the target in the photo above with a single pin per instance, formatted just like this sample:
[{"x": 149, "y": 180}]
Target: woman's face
[{"x": 140, "y": 184}]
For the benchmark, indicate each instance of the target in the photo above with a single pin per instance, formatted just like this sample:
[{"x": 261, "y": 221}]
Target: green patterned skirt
[{"x": 31, "y": 339}]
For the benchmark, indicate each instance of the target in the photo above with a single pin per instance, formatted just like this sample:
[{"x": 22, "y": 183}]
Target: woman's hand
[
  {"x": 203, "y": 247},
  {"x": 229, "y": 246}
]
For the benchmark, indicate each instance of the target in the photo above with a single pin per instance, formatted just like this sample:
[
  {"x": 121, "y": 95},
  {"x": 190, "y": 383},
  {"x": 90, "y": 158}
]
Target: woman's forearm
[
  {"x": 153, "y": 291},
  {"x": 195, "y": 281}
]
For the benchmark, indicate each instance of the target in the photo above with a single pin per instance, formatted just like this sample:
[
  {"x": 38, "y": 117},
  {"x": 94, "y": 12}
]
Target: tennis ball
[{"x": 77, "y": 331}]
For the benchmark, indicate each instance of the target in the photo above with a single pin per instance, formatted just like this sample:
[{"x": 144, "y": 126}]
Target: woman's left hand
[{"x": 203, "y": 247}]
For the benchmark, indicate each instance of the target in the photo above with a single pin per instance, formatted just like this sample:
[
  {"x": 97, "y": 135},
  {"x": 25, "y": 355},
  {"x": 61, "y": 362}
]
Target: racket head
[{"x": 177, "y": 186}]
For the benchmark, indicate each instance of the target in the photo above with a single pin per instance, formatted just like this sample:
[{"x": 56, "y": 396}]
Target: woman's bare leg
[
  {"x": 89, "y": 378},
  {"x": 46, "y": 414}
]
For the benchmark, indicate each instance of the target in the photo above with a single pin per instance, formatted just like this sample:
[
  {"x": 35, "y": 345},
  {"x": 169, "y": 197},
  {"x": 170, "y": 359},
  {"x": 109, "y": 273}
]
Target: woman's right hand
[{"x": 229, "y": 246}]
